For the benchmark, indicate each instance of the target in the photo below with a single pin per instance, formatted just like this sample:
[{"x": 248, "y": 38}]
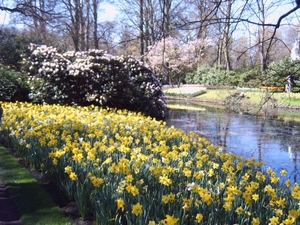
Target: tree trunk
[
  {"x": 262, "y": 36},
  {"x": 95, "y": 24},
  {"x": 226, "y": 35},
  {"x": 76, "y": 25},
  {"x": 82, "y": 27},
  {"x": 142, "y": 51}
]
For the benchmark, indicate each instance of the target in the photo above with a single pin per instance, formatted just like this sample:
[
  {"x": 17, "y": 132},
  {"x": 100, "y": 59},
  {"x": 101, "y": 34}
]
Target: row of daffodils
[{"x": 128, "y": 169}]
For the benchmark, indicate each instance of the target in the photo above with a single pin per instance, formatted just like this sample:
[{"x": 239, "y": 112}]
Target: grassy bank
[
  {"x": 32, "y": 202},
  {"x": 253, "y": 96},
  {"x": 257, "y": 97},
  {"x": 254, "y": 101}
]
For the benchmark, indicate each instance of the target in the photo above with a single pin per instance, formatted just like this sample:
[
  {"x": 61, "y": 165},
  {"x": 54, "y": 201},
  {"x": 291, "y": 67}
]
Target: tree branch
[
  {"x": 27, "y": 10},
  {"x": 285, "y": 15},
  {"x": 278, "y": 24}
]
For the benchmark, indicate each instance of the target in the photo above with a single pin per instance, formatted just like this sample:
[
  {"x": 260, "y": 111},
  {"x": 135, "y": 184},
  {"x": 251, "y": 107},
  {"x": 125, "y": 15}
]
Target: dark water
[{"x": 276, "y": 142}]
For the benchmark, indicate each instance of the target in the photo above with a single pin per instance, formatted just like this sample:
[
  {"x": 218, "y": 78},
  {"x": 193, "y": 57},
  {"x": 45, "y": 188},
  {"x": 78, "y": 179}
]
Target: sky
[
  {"x": 109, "y": 12},
  {"x": 4, "y": 18}
]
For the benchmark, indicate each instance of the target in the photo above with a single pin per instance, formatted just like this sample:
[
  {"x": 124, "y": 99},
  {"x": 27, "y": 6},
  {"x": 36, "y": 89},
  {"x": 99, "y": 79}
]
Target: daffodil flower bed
[{"x": 130, "y": 169}]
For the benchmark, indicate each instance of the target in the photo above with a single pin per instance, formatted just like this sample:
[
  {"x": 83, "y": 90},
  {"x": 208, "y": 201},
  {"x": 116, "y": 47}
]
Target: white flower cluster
[{"x": 44, "y": 50}]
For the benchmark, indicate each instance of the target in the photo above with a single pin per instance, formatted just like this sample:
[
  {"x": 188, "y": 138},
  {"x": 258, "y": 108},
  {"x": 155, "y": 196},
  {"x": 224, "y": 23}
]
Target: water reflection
[{"x": 273, "y": 141}]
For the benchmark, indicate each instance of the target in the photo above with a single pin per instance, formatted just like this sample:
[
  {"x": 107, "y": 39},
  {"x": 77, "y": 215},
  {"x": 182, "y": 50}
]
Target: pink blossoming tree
[{"x": 171, "y": 58}]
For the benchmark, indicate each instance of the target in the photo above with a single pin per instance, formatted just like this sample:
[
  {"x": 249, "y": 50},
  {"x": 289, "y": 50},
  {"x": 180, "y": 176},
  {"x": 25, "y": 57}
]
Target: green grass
[
  {"x": 32, "y": 202},
  {"x": 254, "y": 96},
  {"x": 186, "y": 92},
  {"x": 182, "y": 90},
  {"x": 185, "y": 107},
  {"x": 218, "y": 95},
  {"x": 255, "y": 99},
  {"x": 290, "y": 99}
]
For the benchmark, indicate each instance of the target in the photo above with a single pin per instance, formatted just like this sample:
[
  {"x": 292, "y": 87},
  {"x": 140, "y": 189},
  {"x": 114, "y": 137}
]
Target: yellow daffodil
[
  {"x": 165, "y": 180},
  {"x": 120, "y": 204},
  {"x": 170, "y": 220},
  {"x": 68, "y": 169},
  {"x": 289, "y": 221},
  {"x": 239, "y": 210},
  {"x": 283, "y": 173},
  {"x": 137, "y": 209},
  {"x": 96, "y": 181},
  {"x": 168, "y": 198},
  {"x": 274, "y": 220},
  {"x": 255, "y": 221},
  {"x": 73, "y": 176},
  {"x": 288, "y": 182},
  {"x": 255, "y": 197},
  {"x": 278, "y": 212},
  {"x": 132, "y": 189},
  {"x": 199, "y": 217},
  {"x": 296, "y": 191}
]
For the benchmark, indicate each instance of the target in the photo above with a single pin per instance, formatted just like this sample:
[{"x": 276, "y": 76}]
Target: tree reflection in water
[{"x": 276, "y": 142}]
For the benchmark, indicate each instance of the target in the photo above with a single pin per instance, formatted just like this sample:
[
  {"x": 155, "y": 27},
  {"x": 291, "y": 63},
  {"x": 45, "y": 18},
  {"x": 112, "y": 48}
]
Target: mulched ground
[{"x": 8, "y": 213}]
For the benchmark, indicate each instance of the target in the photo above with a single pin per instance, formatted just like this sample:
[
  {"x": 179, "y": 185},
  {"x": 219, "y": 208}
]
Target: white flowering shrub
[{"x": 93, "y": 77}]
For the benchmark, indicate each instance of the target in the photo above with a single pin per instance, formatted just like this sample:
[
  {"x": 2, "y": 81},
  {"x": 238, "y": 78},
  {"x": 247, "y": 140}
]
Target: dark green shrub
[
  {"x": 212, "y": 76},
  {"x": 13, "y": 43},
  {"x": 250, "y": 77},
  {"x": 13, "y": 85},
  {"x": 279, "y": 71}
]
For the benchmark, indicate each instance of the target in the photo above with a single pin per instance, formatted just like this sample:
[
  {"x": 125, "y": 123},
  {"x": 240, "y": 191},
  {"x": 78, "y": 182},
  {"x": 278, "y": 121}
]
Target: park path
[{"x": 8, "y": 213}]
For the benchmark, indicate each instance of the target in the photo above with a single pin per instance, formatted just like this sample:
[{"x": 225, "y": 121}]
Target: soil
[{"x": 9, "y": 215}]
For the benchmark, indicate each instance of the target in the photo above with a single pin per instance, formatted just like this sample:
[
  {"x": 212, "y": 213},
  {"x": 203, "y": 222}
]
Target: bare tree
[
  {"x": 262, "y": 35},
  {"x": 240, "y": 54},
  {"x": 133, "y": 11},
  {"x": 141, "y": 28},
  {"x": 149, "y": 21},
  {"x": 95, "y": 7},
  {"x": 28, "y": 8},
  {"x": 106, "y": 36},
  {"x": 152, "y": 19},
  {"x": 36, "y": 15},
  {"x": 223, "y": 19},
  {"x": 165, "y": 6},
  {"x": 226, "y": 35},
  {"x": 81, "y": 21},
  {"x": 128, "y": 44}
]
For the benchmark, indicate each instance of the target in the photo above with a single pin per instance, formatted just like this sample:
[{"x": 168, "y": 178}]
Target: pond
[{"x": 273, "y": 141}]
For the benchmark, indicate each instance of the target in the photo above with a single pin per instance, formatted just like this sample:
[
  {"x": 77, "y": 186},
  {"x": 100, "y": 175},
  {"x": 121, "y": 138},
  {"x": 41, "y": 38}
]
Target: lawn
[
  {"x": 254, "y": 96},
  {"x": 32, "y": 202},
  {"x": 281, "y": 104}
]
